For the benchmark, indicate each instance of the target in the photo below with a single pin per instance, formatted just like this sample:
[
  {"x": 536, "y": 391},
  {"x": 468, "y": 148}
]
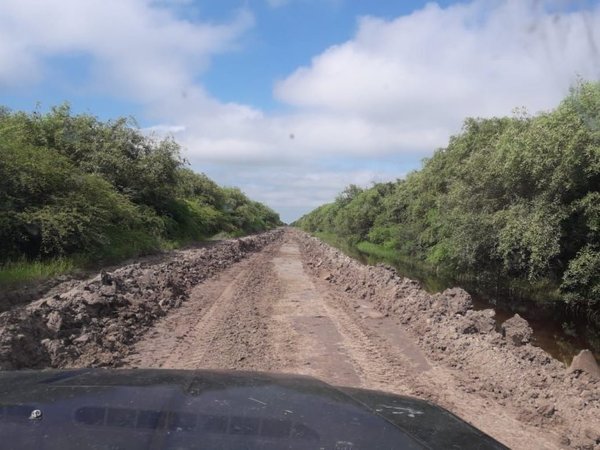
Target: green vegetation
[
  {"x": 379, "y": 251},
  {"x": 514, "y": 197},
  {"x": 14, "y": 273},
  {"x": 74, "y": 188}
]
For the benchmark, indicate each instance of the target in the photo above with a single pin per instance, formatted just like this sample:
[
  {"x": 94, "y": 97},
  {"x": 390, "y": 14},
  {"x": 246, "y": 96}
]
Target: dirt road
[
  {"x": 283, "y": 301},
  {"x": 267, "y": 313},
  {"x": 272, "y": 312}
]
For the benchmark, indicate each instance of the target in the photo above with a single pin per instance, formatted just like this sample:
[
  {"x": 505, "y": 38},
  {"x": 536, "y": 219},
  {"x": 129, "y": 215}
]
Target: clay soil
[{"x": 286, "y": 302}]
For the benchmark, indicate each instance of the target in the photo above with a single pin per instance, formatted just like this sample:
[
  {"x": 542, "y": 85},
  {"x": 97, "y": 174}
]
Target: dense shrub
[
  {"x": 516, "y": 196},
  {"x": 72, "y": 184}
]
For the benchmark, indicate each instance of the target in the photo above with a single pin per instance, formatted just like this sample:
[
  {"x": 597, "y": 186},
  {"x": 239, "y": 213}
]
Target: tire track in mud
[
  {"x": 235, "y": 332},
  {"x": 341, "y": 349},
  {"x": 387, "y": 362},
  {"x": 222, "y": 326},
  {"x": 302, "y": 318},
  {"x": 384, "y": 357}
]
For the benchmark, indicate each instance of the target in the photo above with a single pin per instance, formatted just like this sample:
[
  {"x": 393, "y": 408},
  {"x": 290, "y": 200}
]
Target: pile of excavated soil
[
  {"x": 13, "y": 296},
  {"x": 94, "y": 323},
  {"x": 498, "y": 365}
]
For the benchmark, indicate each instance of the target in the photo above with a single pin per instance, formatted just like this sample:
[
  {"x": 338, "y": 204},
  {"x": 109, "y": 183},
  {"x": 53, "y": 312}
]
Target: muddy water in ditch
[{"x": 560, "y": 334}]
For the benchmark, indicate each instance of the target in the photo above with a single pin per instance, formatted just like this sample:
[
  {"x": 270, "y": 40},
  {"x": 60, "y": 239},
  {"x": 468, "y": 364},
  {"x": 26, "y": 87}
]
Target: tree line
[
  {"x": 103, "y": 190},
  {"x": 515, "y": 196}
]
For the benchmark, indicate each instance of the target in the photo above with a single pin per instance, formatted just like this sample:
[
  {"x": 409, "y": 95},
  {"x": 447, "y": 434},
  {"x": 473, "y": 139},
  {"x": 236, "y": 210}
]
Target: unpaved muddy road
[
  {"x": 287, "y": 302},
  {"x": 275, "y": 312},
  {"x": 267, "y": 313}
]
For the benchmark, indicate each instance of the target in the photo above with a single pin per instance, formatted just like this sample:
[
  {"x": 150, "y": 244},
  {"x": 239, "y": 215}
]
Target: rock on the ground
[
  {"x": 585, "y": 362},
  {"x": 458, "y": 300},
  {"x": 517, "y": 331}
]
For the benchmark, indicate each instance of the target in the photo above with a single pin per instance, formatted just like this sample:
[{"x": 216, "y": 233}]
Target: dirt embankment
[
  {"x": 499, "y": 365},
  {"x": 94, "y": 323}
]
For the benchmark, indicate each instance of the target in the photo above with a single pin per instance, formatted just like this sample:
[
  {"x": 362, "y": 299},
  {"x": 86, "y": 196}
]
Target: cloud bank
[{"x": 396, "y": 91}]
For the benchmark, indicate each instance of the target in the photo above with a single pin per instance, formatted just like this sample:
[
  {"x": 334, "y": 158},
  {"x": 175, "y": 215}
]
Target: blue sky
[
  {"x": 367, "y": 89},
  {"x": 286, "y": 35}
]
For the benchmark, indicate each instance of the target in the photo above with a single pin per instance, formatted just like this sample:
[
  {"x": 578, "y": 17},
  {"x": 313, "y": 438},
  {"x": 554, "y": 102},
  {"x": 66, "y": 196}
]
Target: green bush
[
  {"x": 581, "y": 280},
  {"x": 104, "y": 191},
  {"x": 517, "y": 197}
]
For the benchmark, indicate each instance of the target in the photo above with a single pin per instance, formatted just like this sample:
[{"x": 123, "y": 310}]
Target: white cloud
[
  {"x": 398, "y": 87},
  {"x": 139, "y": 49},
  {"x": 403, "y": 86},
  {"x": 304, "y": 186},
  {"x": 434, "y": 67},
  {"x": 280, "y": 3},
  {"x": 164, "y": 130}
]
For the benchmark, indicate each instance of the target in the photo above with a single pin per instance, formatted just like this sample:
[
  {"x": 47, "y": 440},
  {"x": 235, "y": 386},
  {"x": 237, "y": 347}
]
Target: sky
[{"x": 292, "y": 100}]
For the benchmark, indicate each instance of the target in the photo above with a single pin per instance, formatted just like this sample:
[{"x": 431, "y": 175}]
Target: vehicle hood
[{"x": 176, "y": 409}]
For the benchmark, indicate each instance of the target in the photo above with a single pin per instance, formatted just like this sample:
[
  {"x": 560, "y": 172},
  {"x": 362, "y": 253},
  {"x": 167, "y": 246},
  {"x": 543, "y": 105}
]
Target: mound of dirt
[
  {"x": 517, "y": 331},
  {"x": 503, "y": 367},
  {"x": 95, "y": 322}
]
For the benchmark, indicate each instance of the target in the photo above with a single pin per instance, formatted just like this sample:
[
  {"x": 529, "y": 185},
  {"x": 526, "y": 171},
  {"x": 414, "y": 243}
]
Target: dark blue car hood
[{"x": 174, "y": 409}]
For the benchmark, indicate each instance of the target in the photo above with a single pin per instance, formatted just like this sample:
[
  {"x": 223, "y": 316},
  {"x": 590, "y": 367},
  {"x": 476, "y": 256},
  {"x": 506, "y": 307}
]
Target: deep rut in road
[{"x": 223, "y": 325}]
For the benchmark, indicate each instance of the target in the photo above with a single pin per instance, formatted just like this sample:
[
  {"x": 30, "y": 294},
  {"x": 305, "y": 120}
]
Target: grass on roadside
[
  {"x": 18, "y": 272},
  {"x": 377, "y": 250},
  {"x": 123, "y": 245},
  {"x": 436, "y": 278},
  {"x": 329, "y": 238}
]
